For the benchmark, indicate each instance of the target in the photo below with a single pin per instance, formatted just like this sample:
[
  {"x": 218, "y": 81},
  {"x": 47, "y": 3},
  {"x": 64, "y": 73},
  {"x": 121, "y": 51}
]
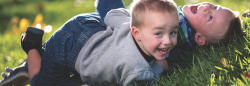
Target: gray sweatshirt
[{"x": 112, "y": 56}]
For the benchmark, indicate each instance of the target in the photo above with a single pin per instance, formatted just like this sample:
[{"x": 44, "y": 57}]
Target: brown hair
[
  {"x": 233, "y": 30},
  {"x": 140, "y": 8}
]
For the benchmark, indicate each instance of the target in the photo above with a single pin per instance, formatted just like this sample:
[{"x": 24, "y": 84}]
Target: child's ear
[
  {"x": 199, "y": 39},
  {"x": 135, "y": 33}
]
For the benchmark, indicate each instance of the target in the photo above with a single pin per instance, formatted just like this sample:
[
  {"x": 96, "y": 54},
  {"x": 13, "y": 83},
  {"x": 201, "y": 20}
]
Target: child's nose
[
  {"x": 167, "y": 41},
  {"x": 205, "y": 8}
]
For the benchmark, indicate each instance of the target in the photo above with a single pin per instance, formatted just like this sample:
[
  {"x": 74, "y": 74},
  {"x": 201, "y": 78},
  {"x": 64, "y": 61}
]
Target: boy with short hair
[
  {"x": 203, "y": 23},
  {"x": 186, "y": 36},
  {"x": 121, "y": 54},
  {"x": 212, "y": 23}
]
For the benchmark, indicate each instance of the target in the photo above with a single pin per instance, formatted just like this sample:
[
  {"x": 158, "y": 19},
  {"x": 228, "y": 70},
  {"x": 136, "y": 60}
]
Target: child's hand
[{"x": 163, "y": 64}]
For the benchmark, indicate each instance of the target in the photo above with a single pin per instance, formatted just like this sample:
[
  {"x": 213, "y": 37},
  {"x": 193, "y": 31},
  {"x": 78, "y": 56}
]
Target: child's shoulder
[
  {"x": 179, "y": 8},
  {"x": 180, "y": 11}
]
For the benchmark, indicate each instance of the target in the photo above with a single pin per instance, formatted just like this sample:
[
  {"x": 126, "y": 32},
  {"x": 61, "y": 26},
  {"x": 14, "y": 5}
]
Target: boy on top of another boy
[
  {"x": 186, "y": 36},
  {"x": 123, "y": 54},
  {"x": 203, "y": 23}
]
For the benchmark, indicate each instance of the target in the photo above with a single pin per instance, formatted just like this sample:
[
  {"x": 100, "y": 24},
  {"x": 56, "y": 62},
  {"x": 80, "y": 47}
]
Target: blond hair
[{"x": 139, "y": 9}]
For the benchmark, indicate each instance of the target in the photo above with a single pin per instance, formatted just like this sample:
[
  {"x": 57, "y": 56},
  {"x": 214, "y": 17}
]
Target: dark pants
[{"x": 62, "y": 48}]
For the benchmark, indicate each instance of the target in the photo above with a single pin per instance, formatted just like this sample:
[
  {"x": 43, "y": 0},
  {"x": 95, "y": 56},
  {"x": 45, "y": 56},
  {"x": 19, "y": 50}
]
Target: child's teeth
[{"x": 163, "y": 49}]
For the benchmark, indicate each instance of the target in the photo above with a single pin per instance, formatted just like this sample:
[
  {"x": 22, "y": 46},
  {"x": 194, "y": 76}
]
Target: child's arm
[
  {"x": 116, "y": 17},
  {"x": 142, "y": 75},
  {"x": 31, "y": 42},
  {"x": 34, "y": 62}
]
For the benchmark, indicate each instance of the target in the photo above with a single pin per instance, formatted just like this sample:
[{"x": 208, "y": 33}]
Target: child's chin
[
  {"x": 184, "y": 9},
  {"x": 161, "y": 58}
]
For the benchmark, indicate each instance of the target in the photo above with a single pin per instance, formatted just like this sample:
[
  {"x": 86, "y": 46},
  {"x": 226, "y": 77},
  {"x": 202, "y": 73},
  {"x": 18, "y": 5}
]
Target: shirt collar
[{"x": 146, "y": 57}]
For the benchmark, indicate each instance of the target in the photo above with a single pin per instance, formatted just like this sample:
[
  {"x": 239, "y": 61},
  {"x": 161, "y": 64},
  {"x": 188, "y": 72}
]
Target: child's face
[
  {"x": 208, "y": 19},
  {"x": 158, "y": 35}
]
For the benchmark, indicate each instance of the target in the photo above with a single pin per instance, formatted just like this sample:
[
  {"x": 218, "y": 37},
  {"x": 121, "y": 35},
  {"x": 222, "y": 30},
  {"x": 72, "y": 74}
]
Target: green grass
[{"x": 201, "y": 68}]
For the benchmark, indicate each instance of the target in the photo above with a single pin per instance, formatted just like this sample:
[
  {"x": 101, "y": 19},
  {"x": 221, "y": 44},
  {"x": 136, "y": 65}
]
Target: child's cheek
[{"x": 174, "y": 40}]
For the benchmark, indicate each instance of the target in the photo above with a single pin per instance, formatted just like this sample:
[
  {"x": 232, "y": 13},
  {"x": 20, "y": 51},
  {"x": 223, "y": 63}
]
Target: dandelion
[
  {"x": 24, "y": 23},
  {"x": 38, "y": 19}
]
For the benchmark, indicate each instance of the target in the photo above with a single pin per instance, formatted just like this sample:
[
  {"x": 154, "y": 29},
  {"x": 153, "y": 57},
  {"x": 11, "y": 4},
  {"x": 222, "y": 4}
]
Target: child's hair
[
  {"x": 233, "y": 30},
  {"x": 140, "y": 8}
]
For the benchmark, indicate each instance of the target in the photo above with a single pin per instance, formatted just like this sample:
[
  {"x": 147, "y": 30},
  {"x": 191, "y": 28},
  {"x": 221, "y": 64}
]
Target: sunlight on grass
[{"x": 202, "y": 67}]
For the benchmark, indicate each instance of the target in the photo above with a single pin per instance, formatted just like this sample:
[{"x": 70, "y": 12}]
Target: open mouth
[
  {"x": 194, "y": 9},
  {"x": 163, "y": 51}
]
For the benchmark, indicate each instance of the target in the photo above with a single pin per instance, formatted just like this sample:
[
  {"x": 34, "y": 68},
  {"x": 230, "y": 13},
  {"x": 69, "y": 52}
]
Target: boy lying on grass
[
  {"x": 203, "y": 23},
  {"x": 99, "y": 55}
]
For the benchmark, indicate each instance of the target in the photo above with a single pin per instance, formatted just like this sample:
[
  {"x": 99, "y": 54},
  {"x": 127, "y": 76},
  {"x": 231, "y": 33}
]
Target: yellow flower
[{"x": 24, "y": 23}]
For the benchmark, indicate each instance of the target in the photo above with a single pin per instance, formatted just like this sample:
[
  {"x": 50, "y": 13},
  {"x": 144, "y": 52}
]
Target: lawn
[{"x": 201, "y": 67}]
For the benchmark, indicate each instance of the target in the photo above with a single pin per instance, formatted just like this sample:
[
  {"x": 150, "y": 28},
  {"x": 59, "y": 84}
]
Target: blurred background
[{"x": 17, "y": 15}]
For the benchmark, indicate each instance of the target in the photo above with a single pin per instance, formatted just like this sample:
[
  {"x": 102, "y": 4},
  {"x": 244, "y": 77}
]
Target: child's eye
[
  {"x": 210, "y": 18},
  {"x": 173, "y": 33},
  {"x": 215, "y": 7},
  {"x": 159, "y": 34}
]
